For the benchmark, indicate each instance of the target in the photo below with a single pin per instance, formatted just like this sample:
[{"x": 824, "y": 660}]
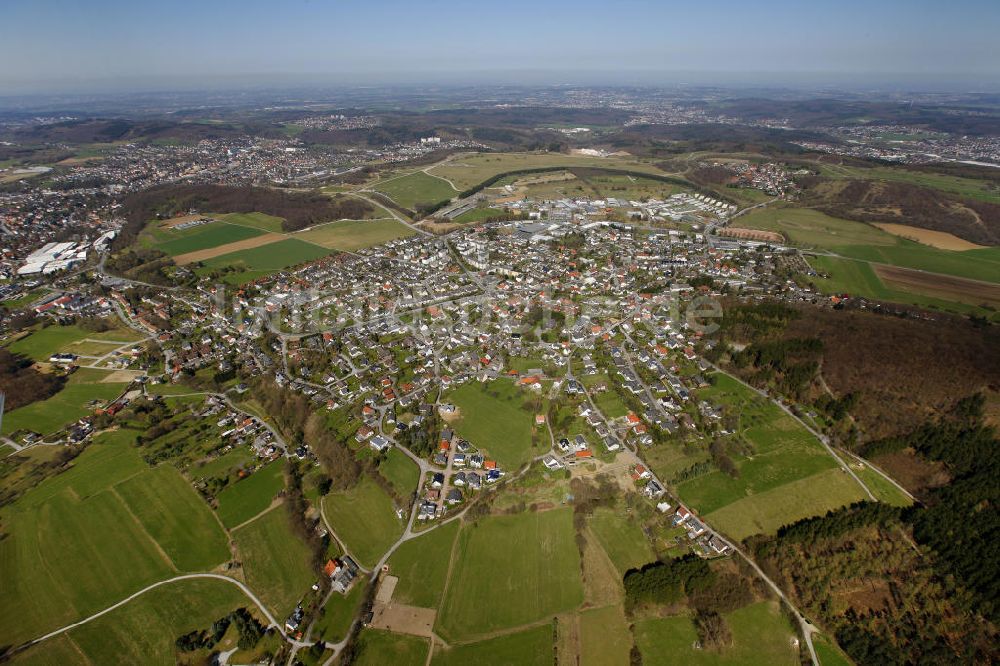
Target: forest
[{"x": 23, "y": 383}]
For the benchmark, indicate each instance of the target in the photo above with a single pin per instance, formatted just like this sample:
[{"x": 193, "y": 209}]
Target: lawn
[
  {"x": 259, "y": 261},
  {"x": 364, "y": 519},
  {"x": 177, "y": 518},
  {"x": 79, "y": 516},
  {"x": 339, "y": 612},
  {"x": 400, "y": 471},
  {"x": 350, "y": 235},
  {"x": 68, "y": 405},
  {"x": 622, "y": 539},
  {"x": 207, "y": 236},
  {"x": 45, "y": 342},
  {"x": 378, "y": 648},
  {"x": 761, "y": 635},
  {"x": 421, "y": 565},
  {"x": 416, "y": 189},
  {"x": 512, "y": 570},
  {"x": 493, "y": 420},
  {"x": 276, "y": 562},
  {"x": 604, "y": 636},
  {"x": 144, "y": 630},
  {"x": 526, "y": 648},
  {"x": 241, "y": 501}
]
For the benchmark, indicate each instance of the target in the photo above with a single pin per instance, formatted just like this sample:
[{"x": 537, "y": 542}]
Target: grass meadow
[
  {"x": 364, "y": 518},
  {"x": 492, "y": 419}
]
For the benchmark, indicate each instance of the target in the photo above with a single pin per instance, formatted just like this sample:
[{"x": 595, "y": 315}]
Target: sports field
[
  {"x": 526, "y": 648},
  {"x": 364, "y": 518},
  {"x": 421, "y": 565},
  {"x": 94, "y": 514},
  {"x": 492, "y": 419},
  {"x": 416, "y": 189},
  {"x": 241, "y": 501},
  {"x": 786, "y": 459},
  {"x": 143, "y": 631},
  {"x": 275, "y": 561},
  {"x": 72, "y": 402},
  {"x": 512, "y": 570},
  {"x": 350, "y": 235},
  {"x": 761, "y": 636}
]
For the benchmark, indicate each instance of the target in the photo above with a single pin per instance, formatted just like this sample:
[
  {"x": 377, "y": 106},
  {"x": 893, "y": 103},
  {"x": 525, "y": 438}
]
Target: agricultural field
[
  {"x": 622, "y": 539},
  {"x": 72, "y": 402},
  {"x": 470, "y": 170},
  {"x": 44, "y": 342},
  {"x": 351, "y": 235},
  {"x": 761, "y": 635},
  {"x": 377, "y": 648},
  {"x": 493, "y": 419},
  {"x": 93, "y": 513},
  {"x": 526, "y": 648},
  {"x": 856, "y": 240},
  {"x": 254, "y": 263},
  {"x": 261, "y": 221},
  {"x": 207, "y": 236},
  {"x": 415, "y": 189},
  {"x": 144, "y": 630},
  {"x": 241, "y": 501},
  {"x": 364, "y": 519},
  {"x": 400, "y": 471},
  {"x": 276, "y": 562},
  {"x": 604, "y": 636},
  {"x": 786, "y": 460},
  {"x": 421, "y": 565},
  {"x": 512, "y": 570}
]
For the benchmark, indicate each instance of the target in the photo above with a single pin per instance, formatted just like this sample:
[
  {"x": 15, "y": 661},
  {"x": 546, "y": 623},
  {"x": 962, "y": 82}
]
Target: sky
[{"x": 53, "y": 45}]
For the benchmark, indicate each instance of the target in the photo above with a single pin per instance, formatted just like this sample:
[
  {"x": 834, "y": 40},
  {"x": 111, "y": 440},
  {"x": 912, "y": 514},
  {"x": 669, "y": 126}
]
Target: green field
[
  {"x": 496, "y": 423},
  {"x": 364, "y": 518},
  {"x": 261, "y": 221},
  {"x": 378, "y": 648},
  {"x": 787, "y": 460},
  {"x": 622, "y": 539},
  {"x": 604, "y": 636},
  {"x": 400, "y": 471},
  {"x": 275, "y": 561},
  {"x": 478, "y": 215},
  {"x": 207, "y": 236},
  {"x": 350, "y": 235},
  {"x": 828, "y": 652},
  {"x": 421, "y": 565},
  {"x": 93, "y": 514},
  {"x": 809, "y": 228},
  {"x": 526, "y": 648},
  {"x": 45, "y": 342},
  {"x": 260, "y": 261},
  {"x": 68, "y": 405},
  {"x": 512, "y": 570},
  {"x": 143, "y": 631},
  {"x": 339, "y": 613},
  {"x": 241, "y": 501},
  {"x": 857, "y": 278},
  {"x": 470, "y": 170},
  {"x": 415, "y": 189},
  {"x": 761, "y": 636},
  {"x": 177, "y": 518},
  {"x": 965, "y": 187}
]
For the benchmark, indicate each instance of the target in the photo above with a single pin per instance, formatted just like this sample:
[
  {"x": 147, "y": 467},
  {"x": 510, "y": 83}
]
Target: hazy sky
[{"x": 53, "y": 44}]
